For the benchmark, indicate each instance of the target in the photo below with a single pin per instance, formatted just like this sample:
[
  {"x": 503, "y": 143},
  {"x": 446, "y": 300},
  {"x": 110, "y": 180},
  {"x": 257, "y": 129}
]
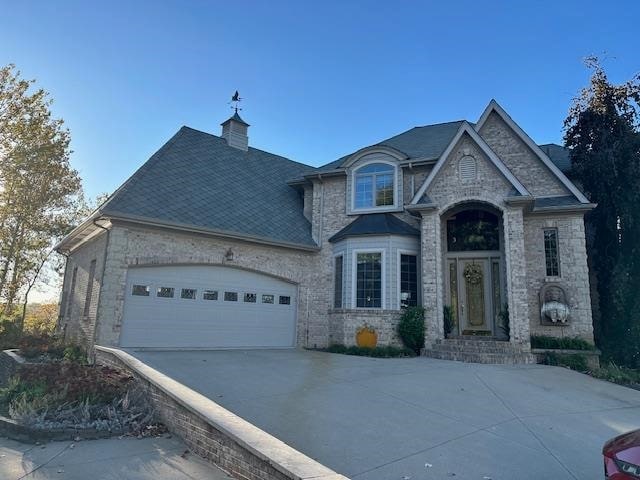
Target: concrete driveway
[{"x": 382, "y": 419}]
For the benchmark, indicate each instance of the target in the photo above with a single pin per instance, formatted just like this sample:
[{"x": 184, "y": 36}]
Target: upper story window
[
  {"x": 551, "y": 256},
  {"x": 374, "y": 186}
]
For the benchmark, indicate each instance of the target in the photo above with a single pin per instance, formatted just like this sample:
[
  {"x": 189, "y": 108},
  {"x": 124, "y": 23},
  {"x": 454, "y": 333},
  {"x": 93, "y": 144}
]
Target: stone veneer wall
[
  {"x": 448, "y": 190},
  {"x": 345, "y": 323},
  {"x": 214, "y": 433},
  {"x": 76, "y": 326},
  {"x": 520, "y": 159},
  {"x": 133, "y": 245},
  {"x": 574, "y": 273}
]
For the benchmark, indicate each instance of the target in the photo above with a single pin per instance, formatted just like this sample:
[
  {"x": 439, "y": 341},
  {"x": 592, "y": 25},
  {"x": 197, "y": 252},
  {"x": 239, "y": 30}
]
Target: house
[{"x": 215, "y": 244}]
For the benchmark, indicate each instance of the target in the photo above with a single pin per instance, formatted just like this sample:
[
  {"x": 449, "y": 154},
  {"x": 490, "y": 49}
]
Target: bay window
[{"x": 369, "y": 280}]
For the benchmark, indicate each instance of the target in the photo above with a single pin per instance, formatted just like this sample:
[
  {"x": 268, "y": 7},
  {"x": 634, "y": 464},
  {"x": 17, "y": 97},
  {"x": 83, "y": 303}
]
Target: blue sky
[{"x": 320, "y": 79}]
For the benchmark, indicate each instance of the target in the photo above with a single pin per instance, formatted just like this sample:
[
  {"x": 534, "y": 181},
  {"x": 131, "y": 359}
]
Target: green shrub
[
  {"x": 75, "y": 354},
  {"x": 574, "y": 362},
  {"x": 411, "y": 329},
  {"x": 447, "y": 313},
  {"x": 379, "y": 352},
  {"x": 617, "y": 374},
  {"x": 564, "y": 343}
]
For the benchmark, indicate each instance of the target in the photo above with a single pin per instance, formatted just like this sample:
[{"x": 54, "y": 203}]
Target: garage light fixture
[{"x": 229, "y": 255}]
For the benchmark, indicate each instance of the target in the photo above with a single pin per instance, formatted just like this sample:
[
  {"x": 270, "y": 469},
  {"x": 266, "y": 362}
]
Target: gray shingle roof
[
  {"x": 426, "y": 142},
  {"x": 563, "y": 201},
  {"x": 558, "y": 155},
  {"x": 197, "y": 180},
  {"x": 375, "y": 224},
  {"x": 430, "y": 141}
]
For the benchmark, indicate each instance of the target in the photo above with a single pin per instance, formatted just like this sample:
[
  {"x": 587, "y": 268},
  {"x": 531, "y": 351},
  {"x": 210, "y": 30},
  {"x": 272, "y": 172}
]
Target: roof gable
[
  {"x": 544, "y": 158},
  {"x": 466, "y": 128}
]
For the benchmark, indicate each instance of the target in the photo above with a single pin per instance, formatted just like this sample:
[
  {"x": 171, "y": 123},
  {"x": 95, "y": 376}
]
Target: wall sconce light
[{"x": 229, "y": 255}]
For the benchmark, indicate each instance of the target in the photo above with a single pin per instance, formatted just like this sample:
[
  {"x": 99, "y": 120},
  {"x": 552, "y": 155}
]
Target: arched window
[{"x": 374, "y": 186}]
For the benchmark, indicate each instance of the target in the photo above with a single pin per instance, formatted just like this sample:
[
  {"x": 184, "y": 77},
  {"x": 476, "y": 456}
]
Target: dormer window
[{"x": 374, "y": 186}]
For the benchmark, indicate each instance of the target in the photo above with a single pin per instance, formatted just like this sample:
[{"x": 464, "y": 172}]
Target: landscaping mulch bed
[{"x": 64, "y": 396}]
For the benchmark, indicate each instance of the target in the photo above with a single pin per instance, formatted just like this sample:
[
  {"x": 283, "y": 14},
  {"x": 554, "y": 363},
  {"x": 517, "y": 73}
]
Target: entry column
[
  {"x": 516, "y": 277},
  {"x": 432, "y": 277}
]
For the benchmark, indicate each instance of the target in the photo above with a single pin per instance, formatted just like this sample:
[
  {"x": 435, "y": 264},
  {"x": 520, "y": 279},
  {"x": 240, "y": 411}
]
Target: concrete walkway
[
  {"x": 382, "y": 419},
  {"x": 110, "y": 459}
]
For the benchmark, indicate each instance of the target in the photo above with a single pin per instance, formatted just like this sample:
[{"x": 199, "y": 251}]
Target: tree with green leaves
[
  {"x": 40, "y": 193},
  {"x": 602, "y": 133}
]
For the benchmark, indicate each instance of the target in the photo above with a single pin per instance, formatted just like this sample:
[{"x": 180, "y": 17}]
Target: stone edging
[
  {"x": 228, "y": 441},
  {"x": 22, "y": 433}
]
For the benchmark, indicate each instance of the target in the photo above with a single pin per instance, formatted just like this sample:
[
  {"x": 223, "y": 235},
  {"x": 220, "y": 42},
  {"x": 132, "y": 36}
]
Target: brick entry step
[{"x": 474, "y": 350}]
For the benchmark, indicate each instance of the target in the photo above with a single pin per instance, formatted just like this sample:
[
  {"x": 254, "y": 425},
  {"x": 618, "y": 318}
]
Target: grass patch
[
  {"x": 620, "y": 375},
  {"x": 378, "y": 352},
  {"x": 564, "y": 343}
]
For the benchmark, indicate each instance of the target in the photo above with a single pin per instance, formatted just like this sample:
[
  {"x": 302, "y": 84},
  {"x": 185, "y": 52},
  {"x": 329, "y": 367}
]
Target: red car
[{"x": 622, "y": 457}]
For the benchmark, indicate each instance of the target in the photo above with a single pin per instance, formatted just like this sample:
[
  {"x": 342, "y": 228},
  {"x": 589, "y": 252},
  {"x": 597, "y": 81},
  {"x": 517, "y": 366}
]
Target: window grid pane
[
  {"x": 408, "y": 281},
  {"x": 364, "y": 191},
  {"x": 369, "y": 280},
  {"x": 337, "y": 294},
  {"x": 210, "y": 295},
  {"x": 165, "y": 292},
  {"x": 384, "y": 190},
  {"x": 188, "y": 293},
  {"x": 551, "y": 252}
]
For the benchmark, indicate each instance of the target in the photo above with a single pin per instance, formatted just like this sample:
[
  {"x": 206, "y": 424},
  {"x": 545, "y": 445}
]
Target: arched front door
[{"x": 474, "y": 265}]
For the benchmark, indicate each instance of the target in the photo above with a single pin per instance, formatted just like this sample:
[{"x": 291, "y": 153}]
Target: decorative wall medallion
[{"x": 554, "y": 305}]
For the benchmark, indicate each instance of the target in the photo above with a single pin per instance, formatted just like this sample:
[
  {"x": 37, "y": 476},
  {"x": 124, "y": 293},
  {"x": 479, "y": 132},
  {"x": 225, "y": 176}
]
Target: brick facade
[{"x": 327, "y": 207}]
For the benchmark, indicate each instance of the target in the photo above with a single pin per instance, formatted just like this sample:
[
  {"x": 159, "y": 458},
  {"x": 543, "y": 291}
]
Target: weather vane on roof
[{"x": 236, "y": 99}]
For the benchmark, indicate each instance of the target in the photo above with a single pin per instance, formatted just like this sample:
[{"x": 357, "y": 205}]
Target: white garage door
[{"x": 207, "y": 307}]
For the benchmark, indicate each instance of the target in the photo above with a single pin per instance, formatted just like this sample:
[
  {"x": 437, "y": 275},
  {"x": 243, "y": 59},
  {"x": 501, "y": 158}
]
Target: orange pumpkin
[{"x": 366, "y": 337}]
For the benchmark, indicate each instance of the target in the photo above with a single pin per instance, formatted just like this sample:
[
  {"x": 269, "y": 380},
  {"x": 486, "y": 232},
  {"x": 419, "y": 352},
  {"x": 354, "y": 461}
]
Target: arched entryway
[{"x": 475, "y": 293}]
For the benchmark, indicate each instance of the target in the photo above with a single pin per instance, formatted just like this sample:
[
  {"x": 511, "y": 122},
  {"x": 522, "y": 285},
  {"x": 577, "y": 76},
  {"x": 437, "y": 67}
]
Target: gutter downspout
[{"x": 92, "y": 352}]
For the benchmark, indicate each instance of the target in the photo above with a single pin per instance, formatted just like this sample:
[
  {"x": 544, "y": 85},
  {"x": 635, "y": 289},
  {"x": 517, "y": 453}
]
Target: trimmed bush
[
  {"x": 565, "y": 343},
  {"x": 574, "y": 362},
  {"x": 379, "y": 352},
  {"x": 411, "y": 329}
]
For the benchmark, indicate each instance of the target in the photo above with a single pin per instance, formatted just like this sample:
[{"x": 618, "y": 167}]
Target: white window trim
[
  {"x": 344, "y": 262},
  {"x": 354, "y": 278},
  {"x": 418, "y": 276},
  {"x": 385, "y": 208}
]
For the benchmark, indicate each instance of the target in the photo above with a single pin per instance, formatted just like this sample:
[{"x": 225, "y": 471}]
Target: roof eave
[
  {"x": 578, "y": 208},
  {"x": 210, "y": 231}
]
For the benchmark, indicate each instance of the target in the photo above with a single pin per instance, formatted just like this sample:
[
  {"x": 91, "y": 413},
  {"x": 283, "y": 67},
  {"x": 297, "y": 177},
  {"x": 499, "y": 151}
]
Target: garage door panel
[{"x": 152, "y": 321}]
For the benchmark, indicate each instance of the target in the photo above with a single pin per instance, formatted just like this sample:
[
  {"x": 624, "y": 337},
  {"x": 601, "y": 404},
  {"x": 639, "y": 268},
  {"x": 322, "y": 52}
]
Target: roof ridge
[
  {"x": 442, "y": 123},
  {"x": 250, "y": 147}
]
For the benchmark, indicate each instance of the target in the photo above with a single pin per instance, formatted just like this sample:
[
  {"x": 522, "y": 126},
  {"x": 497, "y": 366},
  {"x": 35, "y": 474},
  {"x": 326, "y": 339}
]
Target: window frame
[
  {"x": 374, "y": 208},
  {"x": 557, "y": 248},
  {"x": 354, "y": 278},
  {"x": 415, "y": 254},
  {"x": 342, "y": 257}
]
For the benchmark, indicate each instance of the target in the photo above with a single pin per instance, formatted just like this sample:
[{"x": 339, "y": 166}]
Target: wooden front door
[{"x": 474, "y": 296}]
